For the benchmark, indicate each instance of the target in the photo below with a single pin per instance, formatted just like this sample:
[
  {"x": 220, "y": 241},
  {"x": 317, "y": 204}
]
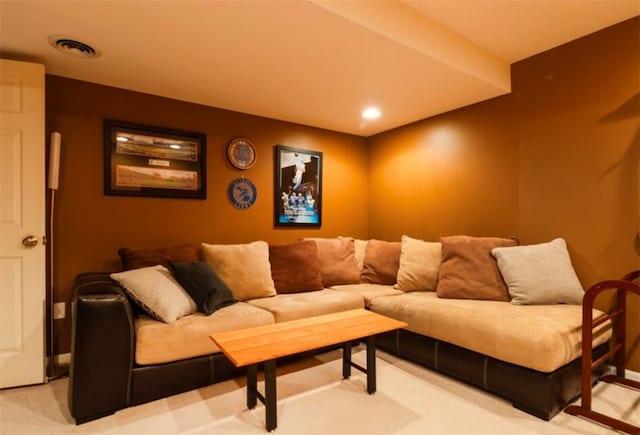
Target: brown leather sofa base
[{"x": 540, "y": 394}]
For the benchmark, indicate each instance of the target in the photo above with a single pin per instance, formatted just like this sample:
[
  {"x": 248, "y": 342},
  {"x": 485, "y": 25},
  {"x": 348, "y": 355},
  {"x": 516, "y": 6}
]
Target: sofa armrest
[{"x": 102, "y": 348}]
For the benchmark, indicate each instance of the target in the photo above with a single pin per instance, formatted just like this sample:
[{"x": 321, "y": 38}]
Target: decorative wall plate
[
  {"x": 241, "y": 153},
  {"x": 242, "y": 193}
]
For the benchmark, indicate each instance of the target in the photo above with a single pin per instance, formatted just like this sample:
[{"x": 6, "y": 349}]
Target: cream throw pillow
[
  {"x": 156, "y": 291},
  {"x": 419, "y": 265},
  {"x": 245, "y": 268},
  {"x": 539, "y": 274}
]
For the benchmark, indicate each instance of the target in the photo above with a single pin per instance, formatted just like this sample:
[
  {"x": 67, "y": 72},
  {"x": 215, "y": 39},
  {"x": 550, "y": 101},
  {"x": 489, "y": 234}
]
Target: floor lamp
[{"x": 52, "y": 184}]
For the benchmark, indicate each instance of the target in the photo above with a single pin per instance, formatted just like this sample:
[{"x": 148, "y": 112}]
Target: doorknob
[{"x": 30, "y": 241}]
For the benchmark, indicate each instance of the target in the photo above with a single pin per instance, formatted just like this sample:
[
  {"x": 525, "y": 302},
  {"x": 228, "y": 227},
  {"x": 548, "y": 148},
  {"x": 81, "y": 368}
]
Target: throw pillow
[
  {"x": 539, "y": 274},
  {"x": 360, "y": 248},
  {"x": 419, "y": 265},
  {"x": 150, "y": 257},
  {"x": 206, "y": 289},
  {"x": 337, "y": 261},
  {"x": 244, "y": 268},
  {"x": 156, "y": 292},
  {"x": 295, "y": 267},
  {"x": 381, "y": 262},
  {"x": 469, "y": 271}
]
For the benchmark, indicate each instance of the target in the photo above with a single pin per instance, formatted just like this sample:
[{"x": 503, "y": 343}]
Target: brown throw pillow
[
  {"x": 337, "y": 261},
  {"x": 381, "y": 262},
  {"x": 187, "y": 253},
  {"x": 469, "y": 271},
  {"x": 295, "y": 267}
]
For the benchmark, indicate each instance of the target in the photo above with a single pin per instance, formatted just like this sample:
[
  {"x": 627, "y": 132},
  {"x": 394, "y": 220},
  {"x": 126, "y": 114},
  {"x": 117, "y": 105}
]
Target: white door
[{"x": 22, "y": 215}]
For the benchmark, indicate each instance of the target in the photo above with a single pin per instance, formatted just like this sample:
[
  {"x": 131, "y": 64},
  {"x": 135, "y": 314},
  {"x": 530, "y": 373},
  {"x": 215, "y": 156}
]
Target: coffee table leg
[
  {"x": 270, "y": 395},
  {"x": 346, "y": 360},
  {"x": 252, "y": 386},
  {"x": 371, "y": 364}
]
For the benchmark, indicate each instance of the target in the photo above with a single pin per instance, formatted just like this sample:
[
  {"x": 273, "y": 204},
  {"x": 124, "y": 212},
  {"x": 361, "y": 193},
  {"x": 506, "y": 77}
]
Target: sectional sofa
[{"x": 503, "y": 317}]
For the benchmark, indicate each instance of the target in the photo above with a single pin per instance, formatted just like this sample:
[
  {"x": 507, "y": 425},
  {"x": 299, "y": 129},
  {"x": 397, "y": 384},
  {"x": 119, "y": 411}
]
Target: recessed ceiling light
[
  {"x": 175, "y": 146},
  {"x": 122, "y": 139},
  {"x": 73, "y": 47},
  {"x": 371, "y": 113}
]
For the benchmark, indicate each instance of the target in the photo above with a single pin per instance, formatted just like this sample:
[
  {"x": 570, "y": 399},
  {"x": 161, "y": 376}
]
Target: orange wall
[
  {"x": 559, "y": 157},
  {"x": 451, "y": 174},
  {"x": 90, "y": 227}
]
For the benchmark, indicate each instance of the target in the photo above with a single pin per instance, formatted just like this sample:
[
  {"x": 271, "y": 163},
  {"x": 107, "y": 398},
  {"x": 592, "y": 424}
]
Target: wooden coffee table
[{"x": 264, "y": 344}]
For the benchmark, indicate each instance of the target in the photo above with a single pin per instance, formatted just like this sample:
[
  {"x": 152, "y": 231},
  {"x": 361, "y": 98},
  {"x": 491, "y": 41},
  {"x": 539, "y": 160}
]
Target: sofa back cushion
[
  {"x": 419, "y": 265},
  {"x": 135, "y": 259},
  {"x": 337, "y": 260},
  {"x": 469, "y": 271},
  {"x": 381, "y": 262},
  {"x": 244, "y": 268},
  {"x": 295, "y": 267}
]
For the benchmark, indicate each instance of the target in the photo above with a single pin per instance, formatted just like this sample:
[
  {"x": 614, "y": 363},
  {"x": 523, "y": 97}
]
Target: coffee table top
[{"x": 263, "y": 343}]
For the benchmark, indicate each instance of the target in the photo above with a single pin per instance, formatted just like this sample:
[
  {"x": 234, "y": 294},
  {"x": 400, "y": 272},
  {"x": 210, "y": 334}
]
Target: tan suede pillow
[
  {"x": 469, "y": 271},
  {"x": 295, "y": 267},
  {"x": 337, "y": 261},
  {"x": 187, "y": 253},
  {"x": 244, "y": 268},
  {"x": 419, "y": 265},
  {"x": 381, "y": 262}
]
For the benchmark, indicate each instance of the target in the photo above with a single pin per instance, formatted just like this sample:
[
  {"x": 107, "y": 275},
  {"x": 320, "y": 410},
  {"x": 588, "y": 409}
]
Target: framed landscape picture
[
  {"x": 298, "y": 187},
  {"x": 140, "y": 160}
]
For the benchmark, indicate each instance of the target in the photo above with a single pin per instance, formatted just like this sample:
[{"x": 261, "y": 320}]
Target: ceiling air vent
[{"x": 73, "y": 47}]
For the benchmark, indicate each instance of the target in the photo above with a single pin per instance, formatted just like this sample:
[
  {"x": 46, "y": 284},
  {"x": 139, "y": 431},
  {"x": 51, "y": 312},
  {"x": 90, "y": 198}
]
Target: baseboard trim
[
  {"x": 630, "y": 374},
  {"x": 62, "y": 359}
]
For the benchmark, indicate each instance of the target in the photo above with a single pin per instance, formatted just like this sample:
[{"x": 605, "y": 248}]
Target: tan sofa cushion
[
  {"x": 419, "y": 265},
  {"x": 540, "y": 337},
  {"x": 469, "y": 271},
  {"x": 245, "y": 268},
  {"x": 367, "y": 291},
  {"x": 188, "y": 337},
  {"x": 295, "y": 306}
]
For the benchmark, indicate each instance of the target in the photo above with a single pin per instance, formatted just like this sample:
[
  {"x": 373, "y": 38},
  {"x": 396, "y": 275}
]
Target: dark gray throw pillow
[{"x": 206, "y": 289}]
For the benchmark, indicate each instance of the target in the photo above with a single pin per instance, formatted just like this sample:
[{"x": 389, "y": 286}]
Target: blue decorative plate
[{"x": 242, "y": 193}]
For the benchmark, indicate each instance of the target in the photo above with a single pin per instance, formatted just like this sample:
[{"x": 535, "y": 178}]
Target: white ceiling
[{"x": 315, "y": 62}]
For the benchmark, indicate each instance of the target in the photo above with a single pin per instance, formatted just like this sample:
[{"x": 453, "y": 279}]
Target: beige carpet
[{"x": 312, "y": 399}]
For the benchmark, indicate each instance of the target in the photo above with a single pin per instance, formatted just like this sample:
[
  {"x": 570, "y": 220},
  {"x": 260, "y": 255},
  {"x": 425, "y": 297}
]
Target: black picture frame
[
  {"x": 297, "y": 172},
  {"x": 142, "y": 160}
]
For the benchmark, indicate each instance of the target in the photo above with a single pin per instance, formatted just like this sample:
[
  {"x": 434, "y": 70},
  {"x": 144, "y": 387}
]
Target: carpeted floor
[{"x": 312, "y": 399}]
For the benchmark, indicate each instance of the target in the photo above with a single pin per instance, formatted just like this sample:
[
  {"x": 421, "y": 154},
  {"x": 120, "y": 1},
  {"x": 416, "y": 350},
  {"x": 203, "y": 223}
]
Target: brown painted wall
[
  {"x": 558, "y": 157},
  {"x": 90, "y": 227}
]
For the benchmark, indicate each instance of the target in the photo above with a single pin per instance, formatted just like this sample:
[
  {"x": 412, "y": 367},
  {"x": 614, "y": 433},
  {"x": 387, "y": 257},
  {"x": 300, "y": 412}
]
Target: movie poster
[{"x": 298, "y": 190}]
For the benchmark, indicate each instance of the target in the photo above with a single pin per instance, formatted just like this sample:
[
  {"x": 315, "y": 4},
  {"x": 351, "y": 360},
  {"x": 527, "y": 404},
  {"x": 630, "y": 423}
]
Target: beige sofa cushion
[
  {"x": 540, "y": 337},
  {"x": 295, "y": 306},
  {"x": 419, "y": 265},
  {"x": 367, "y": 291},
  {"x": 188, "y": 337},
  {"x": 157, "y": 292},
  {"x": 539, "y": 274},
  {"x": 245, "y": 268}
]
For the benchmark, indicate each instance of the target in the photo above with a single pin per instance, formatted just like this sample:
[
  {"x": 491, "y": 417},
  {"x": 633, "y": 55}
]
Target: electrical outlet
[{"x": 59, "y": 310}]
